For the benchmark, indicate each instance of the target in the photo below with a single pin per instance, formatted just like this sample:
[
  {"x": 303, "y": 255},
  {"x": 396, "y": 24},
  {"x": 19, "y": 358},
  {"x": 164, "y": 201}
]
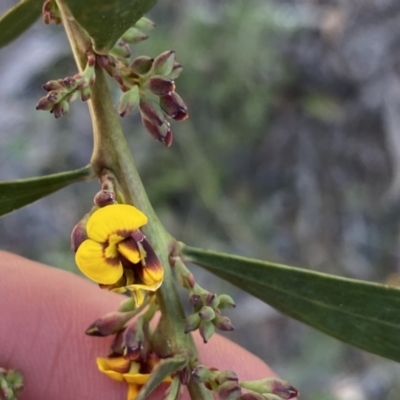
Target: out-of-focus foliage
[
  {"x": 21, "y": 192},
  {"x": 291, "y": 154},
  {"x": 106, "y": 20},
  {"x": 18, "y": 19}
]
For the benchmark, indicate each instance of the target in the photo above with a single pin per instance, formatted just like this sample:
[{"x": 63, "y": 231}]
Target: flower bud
[
  {"x": 121, "y": 50},
  {"x": 225, "y": 301},
  {"x": 116, "y": 348},
  {"x": 78, "y": 234},
  {"x": 226, "y": 375},
  {"x": 192, "y": 322},
  {"x": 174, "y": 106},
  {"x": 54, "y": 96},
  {"x": 206, "y": 314},
  {"x": 176, "y": 71},
  {"x": 44, "y": 104},
  {"x": 60, "y": 108},
  {"x": 164, "y": 63},
  {"x": 103, "y": 60},
  {"x": 206, "y": 330},
  {"x": 86, "y": 93},
  {"x": 202, "y": 374},
  {"x": 107, "y": 324},
  {"x": 184, "y": 375},
  {"x": 134, "y": 35},
  {"x": 69, "y": 82},
  {"x": 159, "y": 132},
  {"x": 104, "y": 198},
  {"x": 229, "y": 390},
  {"x": 129, "y": 101},
  {"x": 151, "y": 111},
  {"x": 210, "y": 299},
  {"x": 52, "y": 85},
  {"x": 196, "y": 301},
  {"x": 274, "y": 386},
  {"x": 145, "y": 24},
  {"x": 141, "y": 65},
  {"x": 223, "y": 323},
  {"x": 131, "y": 342},
  {"x": 160, "y": 86}
]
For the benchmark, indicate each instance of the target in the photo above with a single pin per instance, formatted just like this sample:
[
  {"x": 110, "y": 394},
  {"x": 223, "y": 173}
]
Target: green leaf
[
  {"x": 21, "y": 192},
  {"x": 106, "y": 20},
  {"x": 165, "y": 368},
  {"x": 18, "y": 19},
  {"x": 364, "y": 314}
]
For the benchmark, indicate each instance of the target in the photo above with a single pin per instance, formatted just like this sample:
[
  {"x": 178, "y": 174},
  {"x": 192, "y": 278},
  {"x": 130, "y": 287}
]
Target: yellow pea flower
[
  {"x": 121, "y": 369},
  {"x": 116, "y": 254}
]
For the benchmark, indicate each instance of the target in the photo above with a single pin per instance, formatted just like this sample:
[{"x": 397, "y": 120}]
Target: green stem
[{"x": 111, "y": 151}]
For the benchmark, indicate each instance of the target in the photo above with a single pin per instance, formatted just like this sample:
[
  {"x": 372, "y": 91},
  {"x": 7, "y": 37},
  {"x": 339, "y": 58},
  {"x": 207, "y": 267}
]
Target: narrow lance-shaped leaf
[
  {"x": 364, "y": 314},
  {"x": 18, "y": 19},
  {"x": 21, "y": 192},
  {"x": 106, "y": 20},
  {"x": 164, "y": 369}
]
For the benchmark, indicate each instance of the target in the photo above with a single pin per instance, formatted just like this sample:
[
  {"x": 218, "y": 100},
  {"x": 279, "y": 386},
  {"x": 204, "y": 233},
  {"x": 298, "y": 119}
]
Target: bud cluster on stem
[
  {"x": 61, "y": 92},
  {"x": 207, "y": 306},
  {"x": 228, "y": 387}
]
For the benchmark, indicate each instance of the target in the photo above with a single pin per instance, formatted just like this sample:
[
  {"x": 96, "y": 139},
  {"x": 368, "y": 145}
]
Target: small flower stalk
[{"x": 62, "y": 92}]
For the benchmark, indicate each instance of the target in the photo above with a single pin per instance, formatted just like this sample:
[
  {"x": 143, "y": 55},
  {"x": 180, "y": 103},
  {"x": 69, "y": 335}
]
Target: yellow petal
[
  {"x": 129, "y": 249},
  {"x": 133, "y": 391},
  {"x": 92, "y": 263},
  {"x": 113, "y": 367},
  {"x": 139, "y": 379},
  {"x": 114, "y": 222}
]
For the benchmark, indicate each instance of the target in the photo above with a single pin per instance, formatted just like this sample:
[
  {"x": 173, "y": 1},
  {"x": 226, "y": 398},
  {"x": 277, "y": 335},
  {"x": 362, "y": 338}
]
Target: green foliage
[
  {"x": 166, "y": 367},
  {"x": 18, "y": 19},
  {"x": 363, "y": 314},
  {"x": 105, "y": 21},
  {"x": 21, "y": 192}
]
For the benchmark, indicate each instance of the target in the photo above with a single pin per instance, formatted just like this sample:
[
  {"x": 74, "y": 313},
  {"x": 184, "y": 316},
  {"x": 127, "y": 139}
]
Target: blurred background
[{"x": 291, "y": 154}]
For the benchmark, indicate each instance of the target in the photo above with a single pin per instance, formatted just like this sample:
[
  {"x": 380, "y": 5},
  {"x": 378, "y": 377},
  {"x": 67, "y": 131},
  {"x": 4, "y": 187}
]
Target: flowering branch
[{"x": 111, "y": 152}]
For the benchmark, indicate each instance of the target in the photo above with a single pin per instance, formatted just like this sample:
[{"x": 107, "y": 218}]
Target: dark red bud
[
  {"x": 160, "y": 86},
  {"x": 174, "y": 106},
  {"x": 104, "y": 198},
  {"x": 44, "y": 104}
]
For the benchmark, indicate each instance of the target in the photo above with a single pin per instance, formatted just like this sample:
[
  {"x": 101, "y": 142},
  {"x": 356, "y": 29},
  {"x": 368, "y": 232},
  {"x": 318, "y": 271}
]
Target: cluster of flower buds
[
  {"x": 147, "y": 83},
  {"x": 11, "y": 384},
  {"x": 228, "y": 387},
  {"x": 207, "y": 312},
  {"x": 153, "y": 92},
  {"x": 61, "y": 92},
  {"x": 51, "y": 13}
]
